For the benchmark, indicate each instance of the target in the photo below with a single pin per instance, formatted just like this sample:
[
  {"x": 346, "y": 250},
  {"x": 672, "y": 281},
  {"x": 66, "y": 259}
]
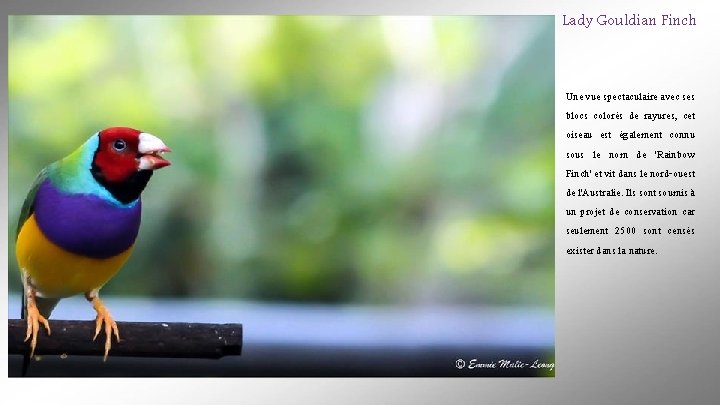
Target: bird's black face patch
[{"x": 125, "y": 191}]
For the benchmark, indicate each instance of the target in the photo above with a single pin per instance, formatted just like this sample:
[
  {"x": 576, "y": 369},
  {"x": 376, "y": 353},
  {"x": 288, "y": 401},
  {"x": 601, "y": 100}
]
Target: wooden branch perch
[{"x": 137, "y": 339}]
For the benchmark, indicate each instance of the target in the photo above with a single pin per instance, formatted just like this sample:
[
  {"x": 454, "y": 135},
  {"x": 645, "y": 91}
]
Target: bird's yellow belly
[{"x": 58, "y": 273}]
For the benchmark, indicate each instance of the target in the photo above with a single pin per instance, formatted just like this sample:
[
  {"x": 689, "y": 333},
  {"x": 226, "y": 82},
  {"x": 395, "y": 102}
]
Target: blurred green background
[{"x": 377, "y": 160}]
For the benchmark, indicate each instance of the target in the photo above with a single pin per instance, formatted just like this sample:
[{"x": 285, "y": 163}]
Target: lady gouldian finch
[{"x": 79, "y": 222}]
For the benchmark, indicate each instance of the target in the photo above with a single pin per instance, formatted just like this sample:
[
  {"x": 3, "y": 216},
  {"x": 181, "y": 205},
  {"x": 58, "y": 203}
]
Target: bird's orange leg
[
  {"x": 103, "y": 316},
  {"x": 33, "y": 316}
]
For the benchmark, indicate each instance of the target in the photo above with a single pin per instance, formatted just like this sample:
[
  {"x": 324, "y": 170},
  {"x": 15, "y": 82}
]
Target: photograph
[{"x": 281, "y": 196}]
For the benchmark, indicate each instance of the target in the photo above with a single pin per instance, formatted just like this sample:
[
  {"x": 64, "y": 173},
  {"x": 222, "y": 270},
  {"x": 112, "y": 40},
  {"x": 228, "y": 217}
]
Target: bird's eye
[{"x": 119, "y": 145}]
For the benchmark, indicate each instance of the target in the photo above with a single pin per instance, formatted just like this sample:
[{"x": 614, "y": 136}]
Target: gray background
[{"x": 629, "y": 330}]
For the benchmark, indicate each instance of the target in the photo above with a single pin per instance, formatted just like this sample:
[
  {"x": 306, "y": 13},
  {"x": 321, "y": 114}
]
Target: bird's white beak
[{"x": 150, "y": 148}]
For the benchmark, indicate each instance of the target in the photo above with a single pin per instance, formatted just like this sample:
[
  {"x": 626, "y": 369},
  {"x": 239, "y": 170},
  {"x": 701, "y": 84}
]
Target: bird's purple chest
[{"x": 85, "y": 224}]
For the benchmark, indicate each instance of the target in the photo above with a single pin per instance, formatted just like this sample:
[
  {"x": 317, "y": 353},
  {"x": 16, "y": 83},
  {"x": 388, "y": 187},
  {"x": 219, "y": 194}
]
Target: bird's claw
[
  {"x": 110, "y": 328},
  {"x": 34, "y": 319}
]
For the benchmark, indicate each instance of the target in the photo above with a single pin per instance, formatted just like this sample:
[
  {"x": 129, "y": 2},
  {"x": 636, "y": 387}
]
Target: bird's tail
[
  {"x": 45, "y": 306},
  {"x": 23, "y": 315}
]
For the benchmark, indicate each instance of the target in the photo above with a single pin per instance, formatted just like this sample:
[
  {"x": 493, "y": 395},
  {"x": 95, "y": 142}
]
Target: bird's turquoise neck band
[{"x": 72, "y": 174}]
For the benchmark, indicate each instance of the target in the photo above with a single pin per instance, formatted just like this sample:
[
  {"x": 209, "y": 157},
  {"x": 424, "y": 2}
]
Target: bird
[{"x": 79, "y": 223}]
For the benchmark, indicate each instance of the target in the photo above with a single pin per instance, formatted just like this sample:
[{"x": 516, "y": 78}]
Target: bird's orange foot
[
  {"x": 34, "y": 319},
  {"x": 103, "y": 316}
]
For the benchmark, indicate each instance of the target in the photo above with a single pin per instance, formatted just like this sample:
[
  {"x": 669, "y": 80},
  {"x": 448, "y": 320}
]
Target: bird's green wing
[{"x": 29, "y": 205}]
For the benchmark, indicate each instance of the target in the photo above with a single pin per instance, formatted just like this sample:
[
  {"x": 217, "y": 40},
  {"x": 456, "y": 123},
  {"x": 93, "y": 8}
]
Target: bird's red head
[{"x": 122, "y": 152}]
